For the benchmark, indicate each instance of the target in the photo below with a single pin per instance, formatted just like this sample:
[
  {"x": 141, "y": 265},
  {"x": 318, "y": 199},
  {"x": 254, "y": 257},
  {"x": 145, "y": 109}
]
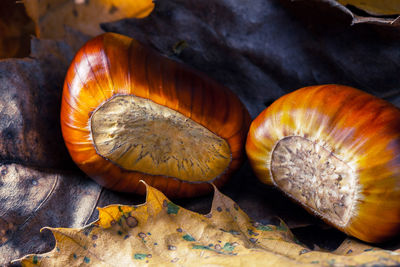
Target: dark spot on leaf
[
  {"x": 165, "y": 203},
  {"x": 94, "y": 237},
  {"x": 200, "y": 247},
  {"x": 140, "y": 256},
  {"x": 113, "y": 222},
  {"x": 188, "y": 238},
  {"x": 131, "y": 222},
  {"x": 235, "y": 206},
  {"x": 87, "y": 230},
  {"x": 179, "y": 230},
  {"x": 227, "y": 209},
  {"x": 75, "y": 13},
  {"x": 141, "y": 235},
  {"x": 35, "y": 259},
  {"x": 4, "y": 172},
  {"x": 170, "y": 247},
  {"x": 264, "y": 228},
  {"x": 253, "y": 240},
  {"x": 113, "y": 9},
  {"x": 228, "y": 247},
  {"x": 219, "y": 209},
  {"x": 349, "y": 251},
  {"x": 172, "y": 208},
  {"x": 86, "y": 259},
  {"x": 251, "y": 232}
]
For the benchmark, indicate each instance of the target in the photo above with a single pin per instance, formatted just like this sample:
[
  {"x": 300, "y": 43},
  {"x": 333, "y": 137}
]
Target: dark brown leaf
[{"x": 39, "y": 184}]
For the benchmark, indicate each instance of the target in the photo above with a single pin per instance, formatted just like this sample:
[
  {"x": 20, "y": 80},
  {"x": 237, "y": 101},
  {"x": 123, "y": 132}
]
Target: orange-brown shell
[
  {"x": 360, "y": 128},
  {"x": 112, "y": 64}
]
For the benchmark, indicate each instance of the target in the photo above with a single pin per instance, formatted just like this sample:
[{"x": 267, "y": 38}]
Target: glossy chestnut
[
  {"x": 130, "y": 114},
  {"x": 336, "y": 151}
]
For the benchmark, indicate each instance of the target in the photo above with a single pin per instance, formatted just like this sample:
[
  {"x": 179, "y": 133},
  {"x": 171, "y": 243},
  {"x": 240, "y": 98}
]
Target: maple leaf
[{"x": 161, "y": 233}]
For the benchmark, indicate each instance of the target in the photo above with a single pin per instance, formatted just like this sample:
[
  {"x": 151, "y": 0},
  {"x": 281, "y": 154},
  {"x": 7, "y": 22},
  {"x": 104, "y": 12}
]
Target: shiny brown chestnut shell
[
  {"x": 336, "y": 151},
  {"x": 130, "y": 114}
]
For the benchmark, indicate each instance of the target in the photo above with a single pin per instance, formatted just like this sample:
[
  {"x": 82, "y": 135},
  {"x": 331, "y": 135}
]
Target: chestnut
[
  {"x": 336, "y": 151},
  {"x": 130, "y": 114}
]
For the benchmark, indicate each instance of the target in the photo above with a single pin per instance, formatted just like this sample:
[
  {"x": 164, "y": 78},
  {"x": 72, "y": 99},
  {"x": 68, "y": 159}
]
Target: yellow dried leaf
[
  {"x": 374, "y": 7},
  {"x": 51, "y": 16},
  {"x": 160, "y": 233}
]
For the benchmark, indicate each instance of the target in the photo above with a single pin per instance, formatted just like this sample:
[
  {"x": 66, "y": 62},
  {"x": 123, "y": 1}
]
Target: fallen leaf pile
[{"x": 160, "y": 233}]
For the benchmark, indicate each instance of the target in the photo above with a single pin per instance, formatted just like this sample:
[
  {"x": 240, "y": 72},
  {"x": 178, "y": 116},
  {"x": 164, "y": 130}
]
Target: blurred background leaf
[
  {"x": 16, "y": 29},
  {"x": 51, "y": 16}
]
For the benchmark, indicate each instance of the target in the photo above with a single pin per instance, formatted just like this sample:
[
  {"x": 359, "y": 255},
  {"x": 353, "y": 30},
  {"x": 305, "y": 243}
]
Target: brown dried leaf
[
  {"x": 51, "y": 16},
  {"x": 37, "y": 186}
]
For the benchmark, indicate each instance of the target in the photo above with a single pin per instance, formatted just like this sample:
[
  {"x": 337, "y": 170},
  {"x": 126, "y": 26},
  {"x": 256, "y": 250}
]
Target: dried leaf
[
  {"x": 373, "y": 7},
  {"x": 31, "y": 88},
  {"x": 383, "y": 12},
  {"x": 50, "y": 16},
  {"x": 39, "y": 184},
  {"x": 160, "y": 232}
]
